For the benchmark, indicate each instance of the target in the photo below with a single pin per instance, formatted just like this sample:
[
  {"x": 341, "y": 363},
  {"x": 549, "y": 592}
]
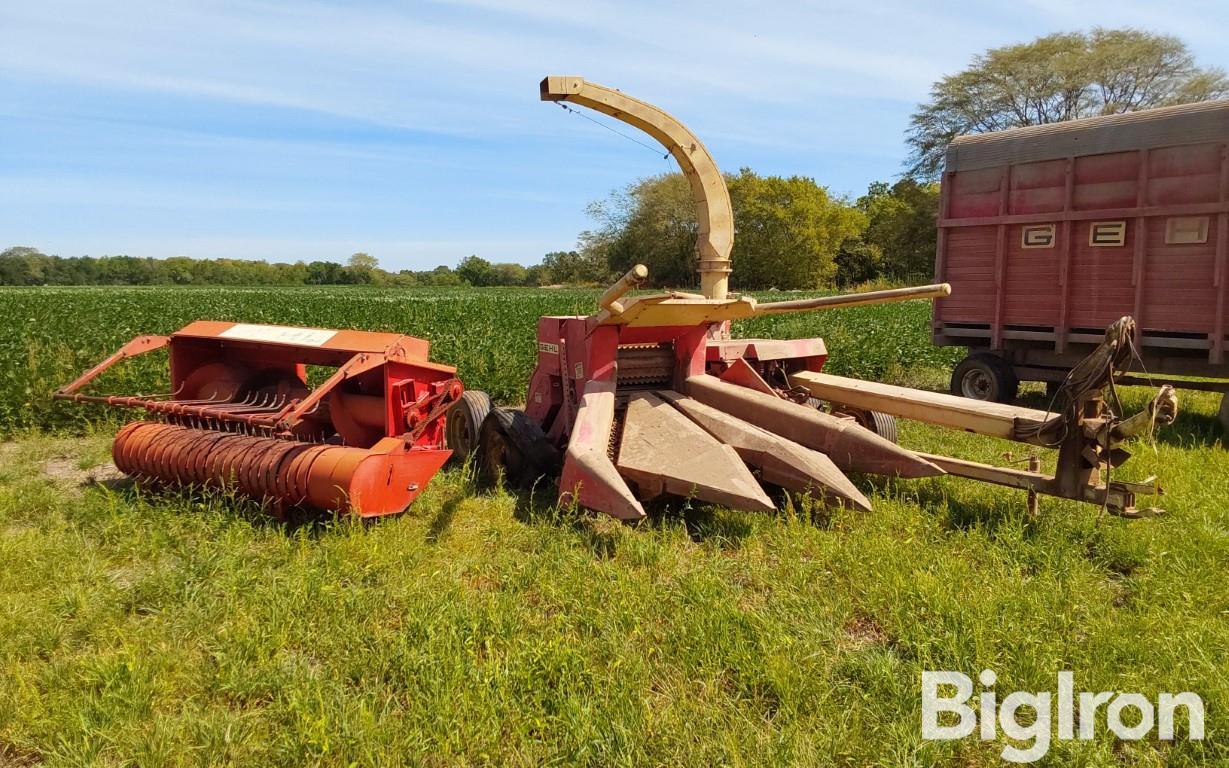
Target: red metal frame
[
  {"x": 394, "y": 368},
  {"x": 240, "y": 412},
  {"x": 573, "y": 351}
]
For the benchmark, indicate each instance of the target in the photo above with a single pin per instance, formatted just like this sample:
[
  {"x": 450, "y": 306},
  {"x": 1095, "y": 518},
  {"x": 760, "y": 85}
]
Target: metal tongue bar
[{"x": 851, "y": 446}]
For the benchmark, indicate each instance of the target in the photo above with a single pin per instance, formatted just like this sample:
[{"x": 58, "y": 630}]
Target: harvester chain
[{"x": 440, "y": 403}]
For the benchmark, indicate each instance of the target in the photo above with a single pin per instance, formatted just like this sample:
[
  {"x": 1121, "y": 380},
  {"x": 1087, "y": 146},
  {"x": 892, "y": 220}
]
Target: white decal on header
[{"x": 282, "y": 334}]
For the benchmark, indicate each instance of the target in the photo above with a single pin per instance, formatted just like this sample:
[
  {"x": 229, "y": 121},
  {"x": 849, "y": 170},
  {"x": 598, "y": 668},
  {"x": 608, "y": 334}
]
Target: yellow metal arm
[
  {"x": 712, "y": 200},
  {"x": 935, "y": 291}
]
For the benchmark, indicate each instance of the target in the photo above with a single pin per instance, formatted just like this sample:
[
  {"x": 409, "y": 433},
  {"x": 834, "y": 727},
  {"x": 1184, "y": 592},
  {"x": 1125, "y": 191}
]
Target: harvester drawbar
[{"x": 651, "y": 395}]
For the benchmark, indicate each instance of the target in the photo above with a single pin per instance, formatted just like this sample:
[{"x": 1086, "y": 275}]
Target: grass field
[{"x": 141, "y": 628}]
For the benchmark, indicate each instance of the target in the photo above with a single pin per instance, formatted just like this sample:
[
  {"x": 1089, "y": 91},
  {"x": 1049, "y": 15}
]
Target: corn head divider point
[{"x": 650, "y": 395}]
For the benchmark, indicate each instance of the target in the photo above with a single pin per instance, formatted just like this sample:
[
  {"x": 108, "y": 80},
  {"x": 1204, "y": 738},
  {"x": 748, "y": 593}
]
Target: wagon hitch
[{"x": 1085, "y": 429}]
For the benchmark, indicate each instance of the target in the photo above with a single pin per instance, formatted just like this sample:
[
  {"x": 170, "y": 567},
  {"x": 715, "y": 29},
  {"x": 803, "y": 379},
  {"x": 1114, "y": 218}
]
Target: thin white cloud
[
  {"x": 393, "y": 68},
  {"x": 468, "y": 68},
  {"x": 820, "y": 88}
]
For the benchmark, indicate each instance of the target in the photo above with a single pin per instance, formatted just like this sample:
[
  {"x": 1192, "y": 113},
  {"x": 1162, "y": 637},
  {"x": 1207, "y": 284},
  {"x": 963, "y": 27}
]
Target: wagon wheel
[{"x": 985, "y": 377}]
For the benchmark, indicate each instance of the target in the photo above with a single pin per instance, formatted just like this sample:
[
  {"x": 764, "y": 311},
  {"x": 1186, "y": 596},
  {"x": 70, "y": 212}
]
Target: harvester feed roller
[
  {"x": 651, "y": 394},
  {"x": 240, "y": 415}
]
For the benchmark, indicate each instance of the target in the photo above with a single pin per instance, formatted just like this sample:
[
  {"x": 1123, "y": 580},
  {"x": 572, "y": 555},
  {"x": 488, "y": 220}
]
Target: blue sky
[{"x": 413, "y": 130}]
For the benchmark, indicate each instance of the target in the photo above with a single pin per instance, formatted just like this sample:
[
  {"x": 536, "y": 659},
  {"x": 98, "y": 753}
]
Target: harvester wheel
[
  {"x": 985, "y": 376},
  {"x": 464, "y": 423},
  {"x": 513, "y": 445},
  {"x": 882, "y": 424}
]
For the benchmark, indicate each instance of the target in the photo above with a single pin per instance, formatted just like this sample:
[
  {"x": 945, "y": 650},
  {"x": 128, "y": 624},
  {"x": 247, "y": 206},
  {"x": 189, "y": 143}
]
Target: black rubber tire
[
  {"x": 986, "y": 377},
  {"x": 464, "y": 423},
  {"x": 1223, "y": 414},
  {"x": 513, "y": 445}
]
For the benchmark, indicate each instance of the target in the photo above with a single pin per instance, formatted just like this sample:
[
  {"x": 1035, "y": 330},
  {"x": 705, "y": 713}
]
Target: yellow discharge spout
[{"x": 712, "y": 201}]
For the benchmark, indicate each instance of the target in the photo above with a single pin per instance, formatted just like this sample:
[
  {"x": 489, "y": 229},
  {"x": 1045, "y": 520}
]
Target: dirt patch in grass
[
  {"x": 15, "y": 757},
  {"x": 66, "y": 471},
  {"x": 863, "y": 632}
]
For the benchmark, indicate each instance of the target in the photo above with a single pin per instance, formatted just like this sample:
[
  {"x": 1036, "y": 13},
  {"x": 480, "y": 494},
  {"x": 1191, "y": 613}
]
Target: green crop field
[
  {"x": 152, "y": 628},
  {"x": 51, "y": 335}
]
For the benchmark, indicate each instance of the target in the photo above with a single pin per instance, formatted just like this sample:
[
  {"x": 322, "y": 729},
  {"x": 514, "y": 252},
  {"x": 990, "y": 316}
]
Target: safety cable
[{"x": 615, "y": 131}]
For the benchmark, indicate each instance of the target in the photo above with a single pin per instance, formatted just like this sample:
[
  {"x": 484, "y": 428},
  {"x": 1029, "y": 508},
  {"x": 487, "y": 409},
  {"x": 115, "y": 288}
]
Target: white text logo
[{"x": 949, "y": 693}]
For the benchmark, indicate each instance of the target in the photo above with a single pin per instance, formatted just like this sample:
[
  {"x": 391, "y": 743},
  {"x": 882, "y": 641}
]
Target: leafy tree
[
  {"x": 481, "y": 273},
  {"x": 442, "y": 276},
  {"x": 508, "y": 274},
  {"x": 901, "y": 228},
  {"x": 651, "y": 222},
  {"x": 362, "y": 268},
  {"x": 292, "y": 274},
  {"x": 788, "y": 230},
  {"x": 72, "y": 271},
  {"x": 476, "y": 271},
  {"x": 405, "y": 278},
  {"x": 179, "y": 270},
  {"x": 858, "y": 262},
  {"x": 22, "y": 265},
  {"x": 1053, "y": 78},
  {"x": 536, "y": 275},
  {"x": 324, "y": 273},
  {"x": 585, "y": 266}
]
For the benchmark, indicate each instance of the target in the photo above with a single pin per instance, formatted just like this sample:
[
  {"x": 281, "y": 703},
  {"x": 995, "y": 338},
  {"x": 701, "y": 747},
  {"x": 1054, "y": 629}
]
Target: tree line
[
  {"x": 791, "y": 232},
  {"x": 23, "y": 265}
]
